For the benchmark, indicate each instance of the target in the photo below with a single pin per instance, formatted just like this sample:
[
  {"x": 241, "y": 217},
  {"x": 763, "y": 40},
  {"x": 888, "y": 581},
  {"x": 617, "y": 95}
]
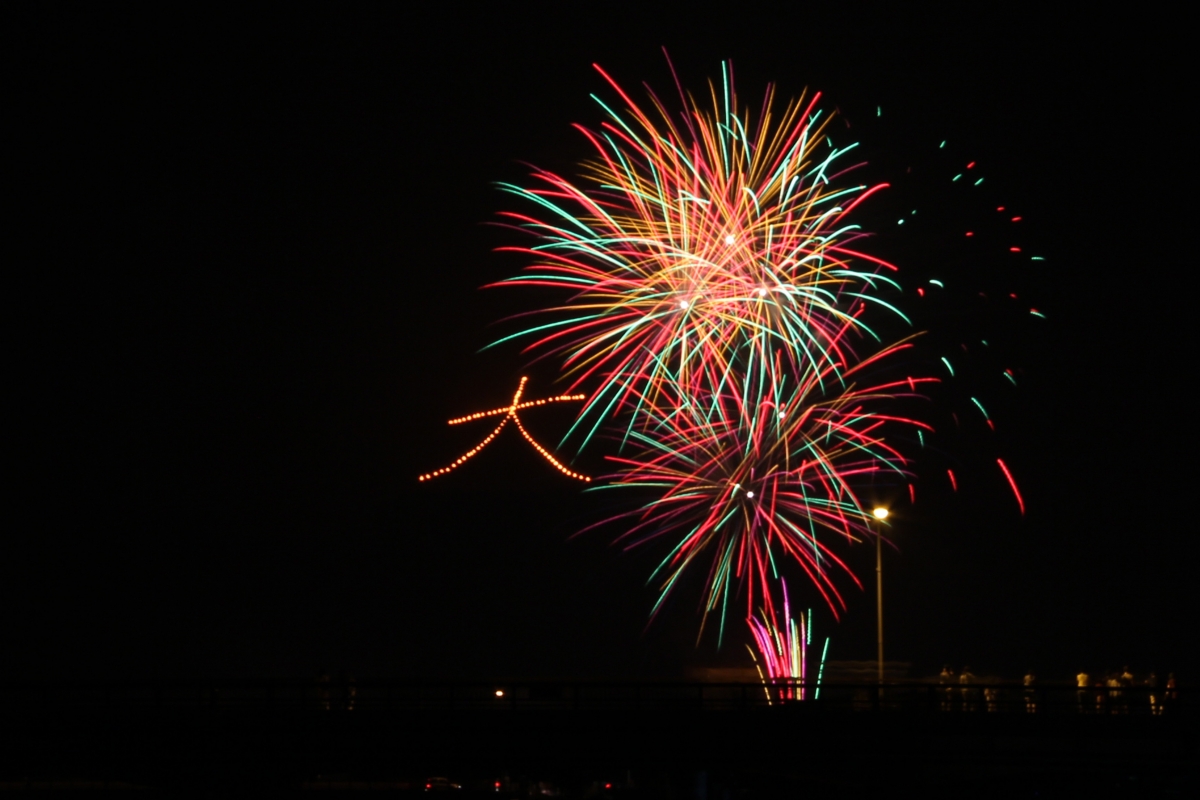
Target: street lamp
[{"x": 881, "y": 514}]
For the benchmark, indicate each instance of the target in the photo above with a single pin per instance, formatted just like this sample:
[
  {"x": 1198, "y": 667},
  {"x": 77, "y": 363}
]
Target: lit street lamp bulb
[{"x": 881, "y": 513}]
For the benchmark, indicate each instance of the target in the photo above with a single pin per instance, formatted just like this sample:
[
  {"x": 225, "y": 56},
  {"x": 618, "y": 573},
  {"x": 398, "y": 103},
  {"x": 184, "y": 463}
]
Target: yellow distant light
[{"x": 880, "y": 513}]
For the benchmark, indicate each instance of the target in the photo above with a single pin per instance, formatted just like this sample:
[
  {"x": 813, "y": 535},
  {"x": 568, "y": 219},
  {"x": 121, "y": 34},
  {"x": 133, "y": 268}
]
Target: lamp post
[{"x": 880, "y": 515}]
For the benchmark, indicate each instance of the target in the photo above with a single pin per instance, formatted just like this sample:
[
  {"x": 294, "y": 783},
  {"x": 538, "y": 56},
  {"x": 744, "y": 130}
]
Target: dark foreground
[{"x": 678, "y": 741}]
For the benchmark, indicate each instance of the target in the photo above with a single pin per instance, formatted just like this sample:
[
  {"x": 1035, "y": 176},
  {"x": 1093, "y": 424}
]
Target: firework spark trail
[
  {"x": 1012, "y": 483},
  {"x": 994, "y": 235}
]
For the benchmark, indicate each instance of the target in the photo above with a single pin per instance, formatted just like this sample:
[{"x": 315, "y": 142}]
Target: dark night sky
[{"x": 244, "y": 265}]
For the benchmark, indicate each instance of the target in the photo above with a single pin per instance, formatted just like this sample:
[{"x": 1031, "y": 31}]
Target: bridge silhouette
[
  {"x": 686, "y": 739},
  {"x": 382, "y": 695}
]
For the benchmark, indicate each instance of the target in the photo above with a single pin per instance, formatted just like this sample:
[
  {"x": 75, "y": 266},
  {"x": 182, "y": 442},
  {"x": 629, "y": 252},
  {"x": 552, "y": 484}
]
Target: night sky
[{"x": 244, "y": 254}]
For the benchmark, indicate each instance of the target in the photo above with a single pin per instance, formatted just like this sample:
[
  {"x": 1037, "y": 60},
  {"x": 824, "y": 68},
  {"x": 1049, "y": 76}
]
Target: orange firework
[{"x": 509, "y": 412}]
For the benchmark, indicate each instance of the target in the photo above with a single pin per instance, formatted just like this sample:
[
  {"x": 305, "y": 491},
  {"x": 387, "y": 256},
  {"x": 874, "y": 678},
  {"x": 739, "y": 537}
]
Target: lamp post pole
[{"x": 880, "y": 516}]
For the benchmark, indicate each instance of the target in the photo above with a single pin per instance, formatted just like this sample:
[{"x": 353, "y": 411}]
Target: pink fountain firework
[{"x": 783, "y": 662}]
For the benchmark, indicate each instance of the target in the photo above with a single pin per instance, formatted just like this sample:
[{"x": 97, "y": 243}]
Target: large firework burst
[{"x": 695, "y": 241}]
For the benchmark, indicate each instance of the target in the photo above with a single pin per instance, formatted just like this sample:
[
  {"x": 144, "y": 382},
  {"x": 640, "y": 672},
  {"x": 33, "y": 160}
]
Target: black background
[{"x": 244, "y": 259}]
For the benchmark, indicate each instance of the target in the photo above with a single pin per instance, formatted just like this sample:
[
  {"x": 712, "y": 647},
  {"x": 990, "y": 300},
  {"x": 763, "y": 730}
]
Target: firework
[
  {"x": 508, "y": 413},
  {"x": 741, "y": 480},
  {"x": 699, "y": 246},
  {"x": 783, "y": 650},
  {"x": 717, "y": 295}
]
